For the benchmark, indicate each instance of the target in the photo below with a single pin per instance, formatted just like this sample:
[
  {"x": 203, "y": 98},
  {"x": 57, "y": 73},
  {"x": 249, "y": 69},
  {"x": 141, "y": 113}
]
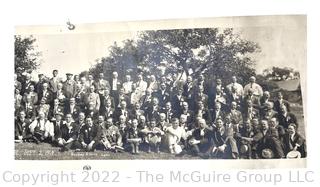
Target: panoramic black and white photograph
[{"x": 219, "y": 88}]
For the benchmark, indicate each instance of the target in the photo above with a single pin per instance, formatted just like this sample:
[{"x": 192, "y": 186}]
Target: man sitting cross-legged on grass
[
  {"x": 133, "y": 137},
  {"x": 89, "y": 135},
  {"x": 69, "y": 133},
  {"x": 152, "y": 136},
  {"x": 110, "y": 137},
  {"x": 42, "y": 129}
]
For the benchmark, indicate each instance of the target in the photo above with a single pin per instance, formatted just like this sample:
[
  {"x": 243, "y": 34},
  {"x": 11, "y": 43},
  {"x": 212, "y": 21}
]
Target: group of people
[{"x": 156, "y": 114}]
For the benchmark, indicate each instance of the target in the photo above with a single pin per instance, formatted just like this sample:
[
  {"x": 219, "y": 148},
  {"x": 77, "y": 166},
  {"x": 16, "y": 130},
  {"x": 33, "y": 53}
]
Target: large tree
[
  {"x": 219, "y": 53},
  {"x": 26, "y": 58}
]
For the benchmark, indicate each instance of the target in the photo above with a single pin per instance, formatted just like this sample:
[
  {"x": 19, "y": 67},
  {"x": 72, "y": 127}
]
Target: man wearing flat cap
[{"x": 69, "y": 86}]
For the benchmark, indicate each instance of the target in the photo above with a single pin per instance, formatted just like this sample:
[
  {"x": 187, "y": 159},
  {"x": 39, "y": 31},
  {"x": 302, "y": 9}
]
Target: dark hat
[
  {"x": 69, "y": 74},
  {"x": 40, "y": 74}
]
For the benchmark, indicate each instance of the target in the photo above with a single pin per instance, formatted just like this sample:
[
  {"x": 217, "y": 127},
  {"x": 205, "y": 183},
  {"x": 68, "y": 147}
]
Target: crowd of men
[{"x": 165, "y": 114}]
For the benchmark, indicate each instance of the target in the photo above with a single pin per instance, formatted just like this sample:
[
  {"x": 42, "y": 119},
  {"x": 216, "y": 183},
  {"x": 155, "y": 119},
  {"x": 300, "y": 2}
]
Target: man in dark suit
[
  {"x": 267, "y": 113},
  {"x": 29, "y": 108},
  {"x": 123, "y": 110},
  {"x": 120, "y": 97},
  {"x": 224, "y": 145},
  {"x": 38, "y": 86},
  {"x": 270, "y": 140},
  {"x": 188, "y": 90},
  {"x": 280, "y": 101},
  {"x": 153, "y": 110},
  {"x": 186, "y": 112},
  {"x": 106, "y": 96},
  {"x": 217, "y": 113},
  {"x": 170, "y": 113},
  {"x": 177, "y": 100},
  {"x": 255, "y": 99},
  {"x": 72, "y": 108},
  {"x": 89, "y": 135},
  {"x": 69, "y": 135},
  {"x": 201, "y": 140},
  {"x": 285, "y": 118},
  {"x": 107, "y": 111},
  {"x": 57, "y": 124},
  {"x": 162, "y": 94},
  {"x": 293, "y": 141},
  {"x": 21, "y": 127},
  {"x": 26, "y": 83},
  {"x": 146, "y": 99},
  {"x": 46, "y": 94},
  {"x": 201, "y": 96},
  {"x": 54, "y": 109}
]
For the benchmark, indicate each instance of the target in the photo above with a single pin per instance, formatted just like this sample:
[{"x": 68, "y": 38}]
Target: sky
[{"x": 282, "y": 41}]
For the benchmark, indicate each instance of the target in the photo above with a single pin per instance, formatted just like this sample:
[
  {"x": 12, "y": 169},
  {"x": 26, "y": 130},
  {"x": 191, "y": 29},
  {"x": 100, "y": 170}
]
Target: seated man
[
  {"x": 176, "y": 137},
  {"x": 89, "y": 135},
  {"x": 201, "y": 140},
  {"x": 269, "y": 140},
  {"x": 114, "y": 137},
  {"x": 21, "y": 127},
  {"x": 293, "y": 141},
  {"x": 133, "y": 137},
  {"x": 152, "y": 136},
  {"x": 224, "y": 144},
  {"x": 41, "y": 129},
  {"x": 69, "y": 135}
]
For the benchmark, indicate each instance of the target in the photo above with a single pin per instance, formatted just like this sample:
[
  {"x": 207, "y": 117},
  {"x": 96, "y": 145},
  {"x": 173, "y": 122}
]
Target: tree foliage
[
  {"x": 214, "y": 52},
  {"x": 26, "y": 59},
  {"x": 280, "y": 74}
]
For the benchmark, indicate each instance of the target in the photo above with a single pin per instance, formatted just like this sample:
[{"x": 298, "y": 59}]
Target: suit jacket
[
  {"x": 53, "y": 111},
  {"x": 118, "y": 112},
  {"x": 118, "y": 99},
  {"x": 21, "y": 128},
  {"x": 103, "y": 100},
  {"x": 163, "y": 97},
  {"x": 74, "y": 113},
  {"x": 119, "y": 84},
  {"x": 214, "y": 115},
  {"x": 286, "y": 120},
  {"x": 250, "y": 115},
  {"x": 30, "y": 110},
  {"x": 277, "y": 105},
  {"x": 205, "y": 138},
  {"x": 153, "y": 112},
  {"x": 269, "y": 114},
  {"x": 189, "y": 114},
  {"x": 70, "y": 88},
  {"x": 255, "y": 101},
  {"x": 145, "y": 101},
  {"x": 25, "y": 86},
  {"x": 57, "y": 129},
  {"x": 89, "y": 134},
  {"x": 48, "y": 96},
  {"x": 170, "y": 114},
  {"x": 177, "y": 102},
  {"x": 188, "y": 90},
  {"x": 107, "y": 112},
  {"x": 289, "y": 143}
]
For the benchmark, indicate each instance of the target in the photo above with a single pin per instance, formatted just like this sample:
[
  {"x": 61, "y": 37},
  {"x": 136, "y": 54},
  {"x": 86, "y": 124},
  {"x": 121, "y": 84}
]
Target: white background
[{"x": 37, "y": 12}]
